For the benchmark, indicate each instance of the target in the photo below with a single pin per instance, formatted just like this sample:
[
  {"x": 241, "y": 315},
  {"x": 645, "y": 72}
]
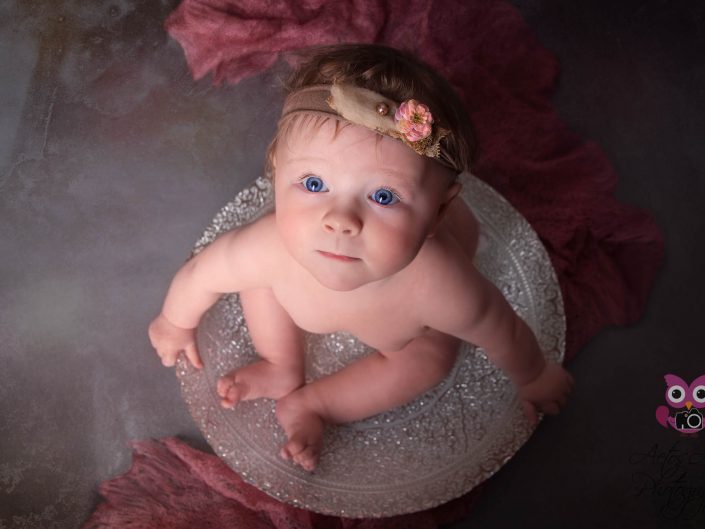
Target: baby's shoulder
[
  {"x": 263, "y": 225},
  {"x": 253, "y": 236},
  {"x": 265, "y": 239},
  {"x": 442, "y": 261},
  {"x": 446, "y": 258},
  {"x": 444, "y": 279},
  {"x": 257, "y": 244}
]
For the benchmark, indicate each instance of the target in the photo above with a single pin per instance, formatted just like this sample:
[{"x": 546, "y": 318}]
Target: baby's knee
[{"x": 431, "y": 357}]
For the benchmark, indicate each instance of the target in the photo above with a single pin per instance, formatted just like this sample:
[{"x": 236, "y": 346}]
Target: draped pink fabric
[
  {"x": 606, "y": 254},
  {"x": 173, "y": 486}
]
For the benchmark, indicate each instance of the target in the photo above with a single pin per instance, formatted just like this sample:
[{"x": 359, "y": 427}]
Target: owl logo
[{"x": 681, "y": 395}]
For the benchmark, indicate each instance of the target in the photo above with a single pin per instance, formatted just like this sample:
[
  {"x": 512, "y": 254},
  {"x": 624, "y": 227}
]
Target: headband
[{"x": 410, "y": 121}]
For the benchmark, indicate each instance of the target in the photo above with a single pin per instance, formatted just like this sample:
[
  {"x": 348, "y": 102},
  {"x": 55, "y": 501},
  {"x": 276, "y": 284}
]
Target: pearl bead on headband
[{"x": 410, "y": 121}]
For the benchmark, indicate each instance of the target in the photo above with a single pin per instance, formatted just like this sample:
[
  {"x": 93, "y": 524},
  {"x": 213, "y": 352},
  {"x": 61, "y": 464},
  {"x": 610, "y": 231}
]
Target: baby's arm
[
  {"x": 229, "y": 264},
  {"x": 477, "y": 312}
]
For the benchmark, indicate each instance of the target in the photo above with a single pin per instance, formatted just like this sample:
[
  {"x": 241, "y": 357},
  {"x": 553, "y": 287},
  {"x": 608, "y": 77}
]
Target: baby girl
[{"x": 367, "y": 237}]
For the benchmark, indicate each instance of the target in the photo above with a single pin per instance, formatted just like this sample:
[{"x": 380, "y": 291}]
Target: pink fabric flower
[{"x": 413, "y": 120}]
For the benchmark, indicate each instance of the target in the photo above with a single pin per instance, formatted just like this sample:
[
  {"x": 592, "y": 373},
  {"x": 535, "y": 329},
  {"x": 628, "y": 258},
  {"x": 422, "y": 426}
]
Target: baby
[{"x": 367, "y": 237}]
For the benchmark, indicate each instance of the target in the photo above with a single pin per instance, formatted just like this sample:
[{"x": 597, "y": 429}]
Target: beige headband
[{"x": 410, "y": 122}]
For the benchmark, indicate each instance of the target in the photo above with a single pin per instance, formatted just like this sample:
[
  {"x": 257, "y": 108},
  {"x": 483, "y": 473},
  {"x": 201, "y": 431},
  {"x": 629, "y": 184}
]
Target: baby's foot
[
  {"x": 304, "y": 431},
  {"x": 259, "y": 379}
]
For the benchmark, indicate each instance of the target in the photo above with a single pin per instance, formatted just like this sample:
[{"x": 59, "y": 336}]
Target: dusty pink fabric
[
  {"x": 173, "y": 486},
  {"x": 606, "y": 254}
]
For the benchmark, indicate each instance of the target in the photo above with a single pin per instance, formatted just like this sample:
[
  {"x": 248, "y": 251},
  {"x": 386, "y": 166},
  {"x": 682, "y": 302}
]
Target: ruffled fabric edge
[{"x": 172, "y": 485}]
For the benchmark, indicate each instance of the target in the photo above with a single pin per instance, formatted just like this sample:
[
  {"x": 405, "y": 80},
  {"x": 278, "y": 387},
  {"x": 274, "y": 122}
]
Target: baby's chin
[
  {"x": 347, "y": 277},
  {"x": 340, "y": 282},
  {"x": 343, "y": 280}
]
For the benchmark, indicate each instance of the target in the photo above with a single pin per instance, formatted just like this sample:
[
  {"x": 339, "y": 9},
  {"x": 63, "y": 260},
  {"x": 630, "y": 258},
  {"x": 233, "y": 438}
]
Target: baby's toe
[
  {"x": 307, "y": 459},
  {"x": 292, "y": 449},
  {"x": 223, "y": 385},
  {"x": 232, "y": 396}
]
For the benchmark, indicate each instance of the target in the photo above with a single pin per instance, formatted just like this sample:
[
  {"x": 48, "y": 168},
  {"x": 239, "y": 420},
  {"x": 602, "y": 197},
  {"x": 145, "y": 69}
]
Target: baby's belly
[{"x": 374, "y": 330}]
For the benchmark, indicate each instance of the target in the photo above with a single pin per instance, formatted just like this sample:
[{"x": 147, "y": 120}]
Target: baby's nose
[{"x": 342, "y": 222}]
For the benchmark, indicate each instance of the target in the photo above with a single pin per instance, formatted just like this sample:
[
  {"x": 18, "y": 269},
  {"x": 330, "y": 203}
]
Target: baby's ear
[
  {"x": 270, "y": 163},
  {"x": 450, "y": 194},
  {"x": 270, "y": 166}
]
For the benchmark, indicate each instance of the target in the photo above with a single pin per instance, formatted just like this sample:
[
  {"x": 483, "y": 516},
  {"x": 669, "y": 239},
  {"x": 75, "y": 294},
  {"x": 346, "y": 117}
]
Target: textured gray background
[{"x": 112, "y": 161}]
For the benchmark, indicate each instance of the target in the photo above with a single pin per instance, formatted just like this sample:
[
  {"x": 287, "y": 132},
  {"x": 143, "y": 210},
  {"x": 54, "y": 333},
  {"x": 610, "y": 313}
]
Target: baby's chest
[{"x": 380, "y": 325}]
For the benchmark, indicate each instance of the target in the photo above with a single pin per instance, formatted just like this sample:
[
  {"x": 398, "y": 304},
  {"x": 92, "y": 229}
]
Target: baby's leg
[
  {"x": 278, "y": 341},
  {"x": 371, "y": 385}
]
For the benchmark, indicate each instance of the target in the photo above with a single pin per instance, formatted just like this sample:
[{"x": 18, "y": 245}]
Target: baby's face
[{"x": 354, "y": 208}]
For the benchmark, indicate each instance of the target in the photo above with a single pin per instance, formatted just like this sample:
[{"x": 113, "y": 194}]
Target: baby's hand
[
  {"x": 169, "y": 340},
  {"x": 546, "y": 393}
]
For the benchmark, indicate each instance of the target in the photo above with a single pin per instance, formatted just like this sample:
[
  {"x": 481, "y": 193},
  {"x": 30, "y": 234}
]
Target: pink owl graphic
[{"x": 681, "y": 395}]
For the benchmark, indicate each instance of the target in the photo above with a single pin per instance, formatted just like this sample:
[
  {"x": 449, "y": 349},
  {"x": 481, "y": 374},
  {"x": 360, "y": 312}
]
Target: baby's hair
[{"x": 392, "y": 73}]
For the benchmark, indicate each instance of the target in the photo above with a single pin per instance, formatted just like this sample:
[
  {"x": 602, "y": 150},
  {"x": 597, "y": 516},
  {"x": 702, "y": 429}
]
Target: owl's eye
[
  {"x": 676, "y": 394},
  {"x": 699, "y": 394}
]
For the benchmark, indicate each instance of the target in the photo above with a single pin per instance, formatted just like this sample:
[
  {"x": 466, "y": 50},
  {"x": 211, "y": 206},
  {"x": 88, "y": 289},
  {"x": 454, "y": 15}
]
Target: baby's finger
[
  {"x": 193, "y": 356},
  {"x": 168, "y": 359}
]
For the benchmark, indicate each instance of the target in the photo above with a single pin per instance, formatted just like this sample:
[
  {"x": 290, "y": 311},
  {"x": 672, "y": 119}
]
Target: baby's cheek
[
  {"x": 294, "y": 238},
  {"x": 397, "y": 249},
  {"x": 289, "y": 229}
]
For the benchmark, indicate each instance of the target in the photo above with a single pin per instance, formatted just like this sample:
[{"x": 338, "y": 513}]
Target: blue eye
[
  {"x": 385, "y": 197},
  {"x": 314, "y": 184}
]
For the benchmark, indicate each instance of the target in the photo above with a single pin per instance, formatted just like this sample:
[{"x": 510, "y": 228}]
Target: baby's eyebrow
[
  {"x": 307, "y": 158},
  {"x": 401, "y": 179}
]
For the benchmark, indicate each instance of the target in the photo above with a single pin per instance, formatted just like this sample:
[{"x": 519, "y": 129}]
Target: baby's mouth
[{"x": 338, "y": 257}]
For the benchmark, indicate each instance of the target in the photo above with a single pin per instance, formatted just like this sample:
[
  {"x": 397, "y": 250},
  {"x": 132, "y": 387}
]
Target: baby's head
[
  {"x": 356, "y": 193},
  {"x": 395, "y": 75}
]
